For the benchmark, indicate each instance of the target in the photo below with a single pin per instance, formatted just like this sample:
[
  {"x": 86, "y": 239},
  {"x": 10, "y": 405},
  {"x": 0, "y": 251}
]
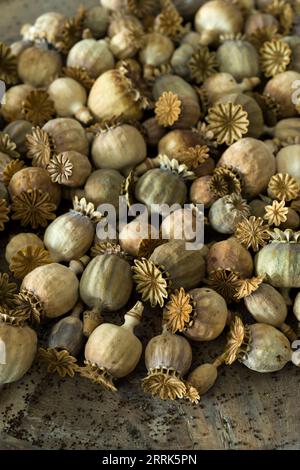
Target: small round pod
[
  {"x": 116, "y": 93},
  {"x": 153, "y": 131},
  {"x": 200, "y": 192},
  {"x": 67, "y": 334},
  {"x": 190, "y": 109},
  {"x": 11, "y": 109},
  {"x": 71, "y": 234},
  {"x": 176, "y": 140},
  {"x": 267, "y": 305},
  {"x": 279, "y": 260},
  {"x": 104, "y": 187},
  {"x": 185, "y": 267},
  {"x": 230, "y": 254},
  {"x": 96, "y": 20},
  {"x": 47, "y": 26},
  {"x": 258, "y": 20},
  {"x": 288, "y": 161},
  {"x": 157, "y": 49},
  {"x": 257, "y": 207},
  {"x": 17, "y": 131},
  {"x": 184, "y": 224},
  {"x": 215, "y": 18},
  {"x": 281, "y": 89},
  {"x": 69, "y": 98},
  {"x": 31, "y": 178},
  {"x": 69, "y": 168},
  {"x": 227, "y": 212},
  {"x": 50, "y": 290},
  {"x": 19, "y": 345},
  {"x": 292, "y": 220},
  {"x": 163, "y": 186},
  {"x": 205, "y": 376},
  {"x": 168, "y": 358},
  {"x": 180, "y": 60},
  {"x": 20, "y": 242},
  {"x": 38, "y": 67},
  {"x": 254, "y": 112},
  {"x": 112, "y": 351},
  {"x": 93, "y": 56},
  {"x": 210, "y": 315},
  {"x": 239, "y": 58},
  {"x": 259, "y": 347},
  {"x": 287, "y": 129},
  {"x": 223, "y": 83},
  {"x": 119, "y": 147},
  {"x": 101, "y": 280},
  {"x": 138, "y": 237},
  {"x": 248, "y": 156},
  {"x": 4, "y": 161},
  {"x": 127, "y": 42},
  {"x": 67, "y": 134}
]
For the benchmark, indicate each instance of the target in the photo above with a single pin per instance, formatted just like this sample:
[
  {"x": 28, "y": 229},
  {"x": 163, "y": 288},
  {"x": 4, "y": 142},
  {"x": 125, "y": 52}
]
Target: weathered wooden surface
[{"x": 245, "y": 410}]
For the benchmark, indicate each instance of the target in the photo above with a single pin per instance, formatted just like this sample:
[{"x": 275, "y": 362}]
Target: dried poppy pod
[
  {"x": 168, "y": 358},
  {"x": 71, "y": 235},
  {"x": 19, "y": 345},
  {"x": 169, "y": 265},
  {"x": 174, "y": 142},
  {"x": 287, "y": 131},
  {"x": 67, "y": 334},
  {"x": 17, "y": 130},
  {"x": 239, "y": 58},
  {"x": 38, "y": 67},
  {"x": 204, "y": 376},
  {"x": 138, "y": 238},
  {"x": 157, "y": 49},
  {"x": 100, "y": 283},
  {"x": 227, "y": 212},
  {"x": 70, "y": 99},
  {"x": 119, "y": 147},
  {"x": 113, "y": 352},
  {"x": 11, "y": 109},
  {"x": 164, "y": 185},
  {"x": 201, "y": 314},
  {"x": 116, "y": 93},
  {"x": 259, "y": 21},
  {"x": 223, "y": 83},
  {"x": 189, "y": 112},
  {"x": 200, "y": 192},
  {"x": 230, "y": 254},
  {"x": 254, "y": 112},
  {"x": 259, "y": 347},
  {"x": 20, "y": 242},
  {"x": 93, "y": 56},
  {"x": 182, "y": 223},
  {"x": 217, "y": 17},
  {"x": 279, "y": 259},
  {"x": 103, "y": 187},
  {"x": 288, "y": 161},
  {"x": 268, "y": 306},
  {"x": 67, "y": 134},
  {"x": 153, "y": 131},
  {"x": 34, "y": 178},
  {"x": 248, "y": 156},
  {"x": 47, "y": 26},
  {"x": 96, "y": 20},
  {"x": 281, "y": 89},
  {"x": 187, "y": 8},
  {"x": 69, "y": 168}
]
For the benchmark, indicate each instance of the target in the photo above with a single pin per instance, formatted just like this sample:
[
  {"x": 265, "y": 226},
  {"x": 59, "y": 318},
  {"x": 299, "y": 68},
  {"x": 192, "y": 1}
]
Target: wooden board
[{"x": 245, "y": 410}]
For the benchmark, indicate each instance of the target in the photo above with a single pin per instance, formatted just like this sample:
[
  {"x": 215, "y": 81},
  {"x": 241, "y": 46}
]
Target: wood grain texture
[{"x": 245, "y": 410}]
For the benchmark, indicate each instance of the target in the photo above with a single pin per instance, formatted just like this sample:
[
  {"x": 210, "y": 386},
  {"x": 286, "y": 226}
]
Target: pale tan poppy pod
[
  {"x": 11, "y": 108},
  {"x": 138, "y": 237},
  {"x": 38, "y": 67},
  {"x": 47, "y": 26},
  {"x": 120, "y": 147},
  {"x": 288, "y": 161},
  {"x": 18, "y": 346},
  {"x": 112, "y": 351},
  {"x": 200, "y": 192},
  {"x": 157, "y": 50},
  {"x": 258, "y": 20},
  {"x": 67, "y": 134},
  {"x": 239, "y": 58},
  {"x": 71, "y": 235},
  {"x": 97, "y": 19},
  {"x": 248, "y": 156},
  {"x": 215, "y": 18},
  {"x": 70, "y": 169},
  {"x": 69, "y": 98},
  {"x": 187, "y": 8},
  {"x": 104, "y": 187},
  {"x": 20, "y": 242},
  {"x": 53, "y": 287},
  {"x": 94, "y": 56}
]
